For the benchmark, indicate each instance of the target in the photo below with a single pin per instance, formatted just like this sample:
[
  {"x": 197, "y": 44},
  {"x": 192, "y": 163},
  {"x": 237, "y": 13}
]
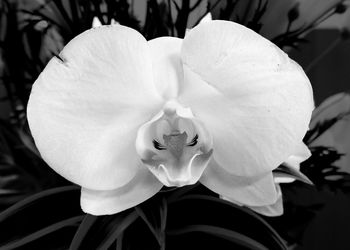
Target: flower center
[{"x": 175, "y": 146}]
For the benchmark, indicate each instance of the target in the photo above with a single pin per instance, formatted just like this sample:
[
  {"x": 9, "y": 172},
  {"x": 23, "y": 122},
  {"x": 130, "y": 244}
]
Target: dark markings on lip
[
  {"x": 194, "y": 141},
  {"x": 158, "y": 146}
]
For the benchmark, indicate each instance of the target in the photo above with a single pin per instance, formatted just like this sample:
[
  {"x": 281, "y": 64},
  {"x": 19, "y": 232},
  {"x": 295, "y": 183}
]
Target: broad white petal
[
  {"x": 84, "y": 111},
  {"x": 142, "y": 187},
  {"x": 245, "y": 191},
  {"x": 253, "y": 99},
  {"x": 167, "y": 66}
]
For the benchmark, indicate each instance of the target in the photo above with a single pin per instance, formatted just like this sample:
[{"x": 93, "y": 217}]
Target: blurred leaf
[
  {"x": 247, "y": 13},
  {"x": 322, "y": 127},
  {"x": 15, "y": 182},
  {"x": 229, "y": 235},
  {"x": 330, "y": 228},
  {"x": 157, "y": 20},
  {"x": 22, "y": 171},
  {"x": 322, "y": 172}
]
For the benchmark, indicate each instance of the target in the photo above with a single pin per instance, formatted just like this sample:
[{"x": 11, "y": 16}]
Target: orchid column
[{"x": 121, "y": 116}]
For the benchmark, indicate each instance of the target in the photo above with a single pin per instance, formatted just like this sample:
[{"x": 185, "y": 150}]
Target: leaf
[
  {"x": 154, "y": 214},
  {"x": 25, "y": 241},
  {"x": 301, "y": 203},
  {"x": 82, "y": 231},
  {"x": 232, "y": 236},
  {"x": 100, "y": 232},
  {"x": 212, "y": 211},
  {"x": 38, "y": 212},
  {"x": 22, "y": 172}
]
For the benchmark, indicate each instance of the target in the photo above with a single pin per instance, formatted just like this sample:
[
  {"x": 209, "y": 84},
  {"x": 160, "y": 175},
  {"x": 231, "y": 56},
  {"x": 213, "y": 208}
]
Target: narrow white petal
[
  {"x": 301, "y": 153},
  {"x": 275, "y": 209},
  {"x": 142, "y": 187},
  {"x": 292, "y": 164},
  {"x": 246, "y": 191}
]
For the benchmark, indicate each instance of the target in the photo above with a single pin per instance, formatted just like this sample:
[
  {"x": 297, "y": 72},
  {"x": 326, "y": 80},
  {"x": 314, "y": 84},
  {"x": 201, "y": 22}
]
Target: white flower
[{"x": 122, "y": 117}]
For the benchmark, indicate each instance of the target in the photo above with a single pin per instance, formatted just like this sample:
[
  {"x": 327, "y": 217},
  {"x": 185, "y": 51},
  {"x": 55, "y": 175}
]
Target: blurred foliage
[
  {"x": 22, "y": 170},
  {"x": 32, "y": 32}
]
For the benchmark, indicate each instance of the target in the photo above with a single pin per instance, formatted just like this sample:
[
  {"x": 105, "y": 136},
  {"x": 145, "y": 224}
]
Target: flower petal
[
  {"x": 289, "y": 170},
  {"x": 142, "y": 187},
  {"x": 275, "y": 209},
  {"x": 167, "y": 66},
  {"x": 84, "y": 111},
  {"x": 301, "y": 153},
  {"x": 253, "y": 99},
  {"x": 246, "y": 191}
]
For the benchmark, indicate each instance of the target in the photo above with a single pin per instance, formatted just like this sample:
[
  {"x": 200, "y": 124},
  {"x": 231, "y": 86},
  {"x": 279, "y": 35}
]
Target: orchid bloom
[{"x": 121, "y": 116}]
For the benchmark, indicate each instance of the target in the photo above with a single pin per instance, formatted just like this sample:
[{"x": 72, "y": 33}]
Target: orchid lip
[{"x": 175, "y": 146}]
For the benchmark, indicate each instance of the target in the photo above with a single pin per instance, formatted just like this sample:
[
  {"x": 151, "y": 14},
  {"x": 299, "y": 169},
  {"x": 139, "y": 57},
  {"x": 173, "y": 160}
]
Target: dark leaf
[
  {"x": 238, "y": 240},
  {"x": 102, "y": 231},
  {"x": 209, "y": 210},
  {"x": 28, "y": 241},
  {"x": 51, "y": 209}
]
